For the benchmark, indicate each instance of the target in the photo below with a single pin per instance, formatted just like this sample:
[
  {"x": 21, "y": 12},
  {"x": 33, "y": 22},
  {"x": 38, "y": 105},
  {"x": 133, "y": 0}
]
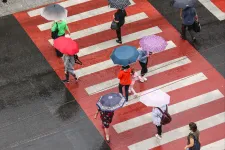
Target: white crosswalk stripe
[
  {"x": 65, "y": 4},
  {"x": 81, "y": 16},
  {"x": 178, "y": 133},
  {"x": 173, "y": 109},
  {"x": 107, "y": 64},
  {"x": 152, "y": 71},
  {"x": 218, "y": 145},
  {"x": 102, "y": 27}
]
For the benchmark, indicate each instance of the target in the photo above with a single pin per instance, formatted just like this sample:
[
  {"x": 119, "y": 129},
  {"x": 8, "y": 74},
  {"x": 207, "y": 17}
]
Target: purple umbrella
[{"x": 153, "y": 43}]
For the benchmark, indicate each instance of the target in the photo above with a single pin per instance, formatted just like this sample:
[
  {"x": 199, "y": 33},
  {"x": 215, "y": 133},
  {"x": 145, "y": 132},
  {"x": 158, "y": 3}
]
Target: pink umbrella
[{"x": 153, "y": 43}]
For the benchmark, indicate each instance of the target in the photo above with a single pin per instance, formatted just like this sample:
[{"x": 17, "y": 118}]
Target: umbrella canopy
[
  {"x": 119, "y": 4},
  {"x": 153, "y": 43},
  {"x": 183, "y": 3},
  {"x": 111, "y": 102},
  {"x": 66, "y": 45},
  {"x": 155, "y": 98},
  {"x": 54, "y": 12},
  {"x": 124, "y": 55}
]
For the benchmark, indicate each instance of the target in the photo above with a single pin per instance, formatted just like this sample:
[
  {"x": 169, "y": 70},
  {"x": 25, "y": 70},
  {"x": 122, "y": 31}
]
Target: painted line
[
  {"x": 107, "y": 64},
  {"x": 81, "y": 16},
  {"x": 152, "y": 71},
  {"x": 173, "y": 109},
  {"x": 171, "y": 86},
  {"x": 178, "y": 133},
  {"x": 102, "y": 27},
  {"x": 213, "y": 9},
  {"x": 218, "y": 145},
  {"x": 64, "y": 4},
  {"x": 112, "y": 43}
]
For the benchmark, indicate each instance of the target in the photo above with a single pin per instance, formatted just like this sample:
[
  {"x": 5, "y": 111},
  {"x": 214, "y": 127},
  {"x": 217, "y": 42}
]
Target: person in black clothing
[
  {"x": 119, "y": 18},
  {"x": 4, "y": 1}
]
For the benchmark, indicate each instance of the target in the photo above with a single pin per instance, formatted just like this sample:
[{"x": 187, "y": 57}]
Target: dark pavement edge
[
  {"x": 36, "y": 110},
  {"x": 210, "y": 41}
]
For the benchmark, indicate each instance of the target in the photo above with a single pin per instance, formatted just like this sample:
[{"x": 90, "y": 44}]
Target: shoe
[
  {"x": 118, "y": 41},
  {"x": 158, "y": 136},
  {"x": 145, "y": 79},
  {"x": 193, "y": 39},
  {"x": 107, "y": 138},
  {"x": 65, "y": 81},
  {"x": 183, "y": 37},
  {"x": 129, "y": 91},
  {"x": 142, "y": 80}
]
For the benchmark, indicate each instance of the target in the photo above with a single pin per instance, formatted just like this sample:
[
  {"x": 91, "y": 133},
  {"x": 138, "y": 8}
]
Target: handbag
[
  {"x": 77, "y": 60},
  {"x": 197, "y": 26},
  {"x": 55, "y": 33},
  {"x": 114, "y": 25}
]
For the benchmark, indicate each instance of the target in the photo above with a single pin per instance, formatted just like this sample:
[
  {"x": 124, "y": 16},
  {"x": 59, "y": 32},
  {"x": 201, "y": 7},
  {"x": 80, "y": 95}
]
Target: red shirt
[{"x": 125, "y": 76}]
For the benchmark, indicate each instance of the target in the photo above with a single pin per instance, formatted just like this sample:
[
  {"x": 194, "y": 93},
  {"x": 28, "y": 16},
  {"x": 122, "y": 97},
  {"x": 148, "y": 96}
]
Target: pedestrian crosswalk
[{"x": 179, "y": 71}]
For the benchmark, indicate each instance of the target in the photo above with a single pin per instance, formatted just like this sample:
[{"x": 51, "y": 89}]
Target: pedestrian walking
[
  {"x": 119, "y": 18},
  {"x": 69, "y": 62},
  {"x": 143, "y": 61},
  {"x": 58, "y": 29},
  {"x": 193, "y": 138},
  {"x": 135, "y": 77},
  {"x": 4, "y": 1},
  {"x": 106, "y": 118},
  {"x": 125, "y": 80},
  {"x": 188, "y": 17}
]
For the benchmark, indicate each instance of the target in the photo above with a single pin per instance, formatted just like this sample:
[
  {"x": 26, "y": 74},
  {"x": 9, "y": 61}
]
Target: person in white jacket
[{"x": 156, "y": 119}]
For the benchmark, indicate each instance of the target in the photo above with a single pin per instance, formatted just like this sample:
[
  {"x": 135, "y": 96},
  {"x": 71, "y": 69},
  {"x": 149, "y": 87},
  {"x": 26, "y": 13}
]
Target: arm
[
  {"x": 116, "y": 18},
  {"x": 181, "y": 13},
  {"x": 96, "y": 114},
  {"x": 67, "y": 29},
  {"x": 191, "y": 143},
  {"x": 120, "y": 74},
  {"x": 53, "y": 27}
]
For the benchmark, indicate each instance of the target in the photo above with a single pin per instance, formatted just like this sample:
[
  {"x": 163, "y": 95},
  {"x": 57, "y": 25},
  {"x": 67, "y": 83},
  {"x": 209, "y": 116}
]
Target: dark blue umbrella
[
  {"x": 111, "y": 102},
  {"x": 124, "y": 55},
  {"x": 183, "y": 3}
]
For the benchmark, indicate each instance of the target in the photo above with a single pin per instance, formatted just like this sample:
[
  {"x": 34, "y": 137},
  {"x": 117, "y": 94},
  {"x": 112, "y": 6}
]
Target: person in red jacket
[{"x": 125, "y": 80}]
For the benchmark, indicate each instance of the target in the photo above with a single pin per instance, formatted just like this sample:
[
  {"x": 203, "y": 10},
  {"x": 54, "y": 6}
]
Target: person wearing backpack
[
  {"x": 160, "y": 116},
  {"x": 58, "y": 29},
  {"x": 188, "y": 17},
  {"x": 193, "y": 138}
]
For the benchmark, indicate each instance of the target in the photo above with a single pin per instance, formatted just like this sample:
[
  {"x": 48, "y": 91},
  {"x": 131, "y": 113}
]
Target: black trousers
[
  {"x": 118, "y": 31},
  {"x": 144, "y": 67},
  {"x": 58, "y": 53},
  {"x": 187, "y": 27},
  {"x": 159, "y": 130},
  {"x": 126, "y": 90}
]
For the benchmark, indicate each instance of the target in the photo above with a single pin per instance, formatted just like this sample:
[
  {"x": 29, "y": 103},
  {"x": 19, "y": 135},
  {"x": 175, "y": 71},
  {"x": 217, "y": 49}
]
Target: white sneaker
[
  {"x": 129, "y": 91},
  {"x": 158, "y": 136},
  {"x": 142, "y": 80},
  {"x": 145, "y": 79}
]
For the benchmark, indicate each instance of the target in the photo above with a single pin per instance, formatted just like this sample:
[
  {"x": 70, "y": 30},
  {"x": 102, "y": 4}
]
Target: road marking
[
  {"x": 112, "y": 43},
  {"x": 178, "y": 133},
  {"x": 64, "y": 4},
  {"x": 152, "y": 71},
  {"x": 218, "y": 145},
  {"x": 107, "y": 64},
  {"x": 213, "y": 9},
  {"x": 173, "y": 109},
  {"x": 102, "y": 27},
  {"x": 81, "y": 16}
]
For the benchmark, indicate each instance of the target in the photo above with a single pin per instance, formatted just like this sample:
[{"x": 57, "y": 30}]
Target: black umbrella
[
  {"x": 183, "y": 3},
  {"x": 119, "y": 4},
  {"x": 54, "y": 12}
]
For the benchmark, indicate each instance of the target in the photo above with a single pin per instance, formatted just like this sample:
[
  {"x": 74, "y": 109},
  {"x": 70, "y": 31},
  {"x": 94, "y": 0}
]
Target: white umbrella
[{"x": 155, "y": 98}]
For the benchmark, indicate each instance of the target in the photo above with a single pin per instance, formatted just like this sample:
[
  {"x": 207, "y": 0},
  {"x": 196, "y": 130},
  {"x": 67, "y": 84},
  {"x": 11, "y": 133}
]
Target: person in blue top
[
  {"x": 143, "y": 61},
  {"x": 188, "y": 17}
]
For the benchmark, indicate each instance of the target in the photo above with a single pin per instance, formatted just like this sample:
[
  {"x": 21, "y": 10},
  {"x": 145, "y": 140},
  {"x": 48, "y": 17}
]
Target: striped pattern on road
[
  {"x": 152, "y": 71},
  {"x": 102, "y": 27},
  {"x": 218, "y": 145},
  {"x": 81, "y": 16},
  {"x": 178, "y": 133},
  {"x": 107, "y": 64},
  {"x": 173, "y": 109}
]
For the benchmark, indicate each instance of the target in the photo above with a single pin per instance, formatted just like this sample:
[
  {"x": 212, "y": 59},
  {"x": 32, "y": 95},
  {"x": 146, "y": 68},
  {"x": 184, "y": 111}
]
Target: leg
[
  {"x": 190, "y": 31},
  {"x": 74, "y": 75},
  {"x": 58, "y": 53},
  {"x": 107, "y": 134},
  {"x": 118, "y": 33},
  {"x": 67, "y": 77},
  {"x": 126, "y": 91},
  {"x": 183, "y": 31},
  {"x": 120, "y": 89},
  {"x": 159, "y": 130}
]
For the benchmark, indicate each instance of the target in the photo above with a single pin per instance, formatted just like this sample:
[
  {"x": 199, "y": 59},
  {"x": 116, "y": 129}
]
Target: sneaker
[
  {"x": 118, "y": 41},
  {"x": 158, "y": 136},
  {"x": 193, "y": 39},
  {"x": 65, "y": 81},
  {"x": 145, "y": 79},
  {"x": 142, "y": 80},
  {"x": 129, "y": 91}
]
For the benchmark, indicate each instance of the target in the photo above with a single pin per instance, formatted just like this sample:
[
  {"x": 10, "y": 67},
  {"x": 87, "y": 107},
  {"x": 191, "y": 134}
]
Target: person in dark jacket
[
  {"x": 188, "y": 17},
  {"x": 119, "y": 18}
]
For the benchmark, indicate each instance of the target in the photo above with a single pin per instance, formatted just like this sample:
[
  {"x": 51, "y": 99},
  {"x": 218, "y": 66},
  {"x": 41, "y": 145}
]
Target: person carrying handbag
[{"x": 58, "y": 29}]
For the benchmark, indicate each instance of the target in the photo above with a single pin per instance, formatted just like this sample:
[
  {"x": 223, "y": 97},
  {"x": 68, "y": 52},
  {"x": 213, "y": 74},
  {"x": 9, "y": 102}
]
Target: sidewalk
[{"x": 13, "y": 6}]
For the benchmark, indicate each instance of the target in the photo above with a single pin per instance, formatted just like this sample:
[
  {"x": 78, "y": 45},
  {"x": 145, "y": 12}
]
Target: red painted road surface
[{"x": 121, "y": 141}]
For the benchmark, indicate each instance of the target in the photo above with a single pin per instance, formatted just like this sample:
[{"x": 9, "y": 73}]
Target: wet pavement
[{"x": 36, "y": 110}]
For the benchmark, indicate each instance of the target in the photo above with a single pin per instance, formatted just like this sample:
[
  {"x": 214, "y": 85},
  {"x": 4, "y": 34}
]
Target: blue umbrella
[
  {"x": 124, "y": 55},
  {"x": 183, "y": 3},
  {"x": 111, "y": 102}
]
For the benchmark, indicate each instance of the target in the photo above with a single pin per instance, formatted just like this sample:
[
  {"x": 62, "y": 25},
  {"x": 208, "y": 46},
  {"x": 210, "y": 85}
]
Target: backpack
[
  {"x": 197, "y": 144},
  {"x": 166, "y": 118},
  {"x": 55, "y": 33},
  {"x": 188, "y": 16}
]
